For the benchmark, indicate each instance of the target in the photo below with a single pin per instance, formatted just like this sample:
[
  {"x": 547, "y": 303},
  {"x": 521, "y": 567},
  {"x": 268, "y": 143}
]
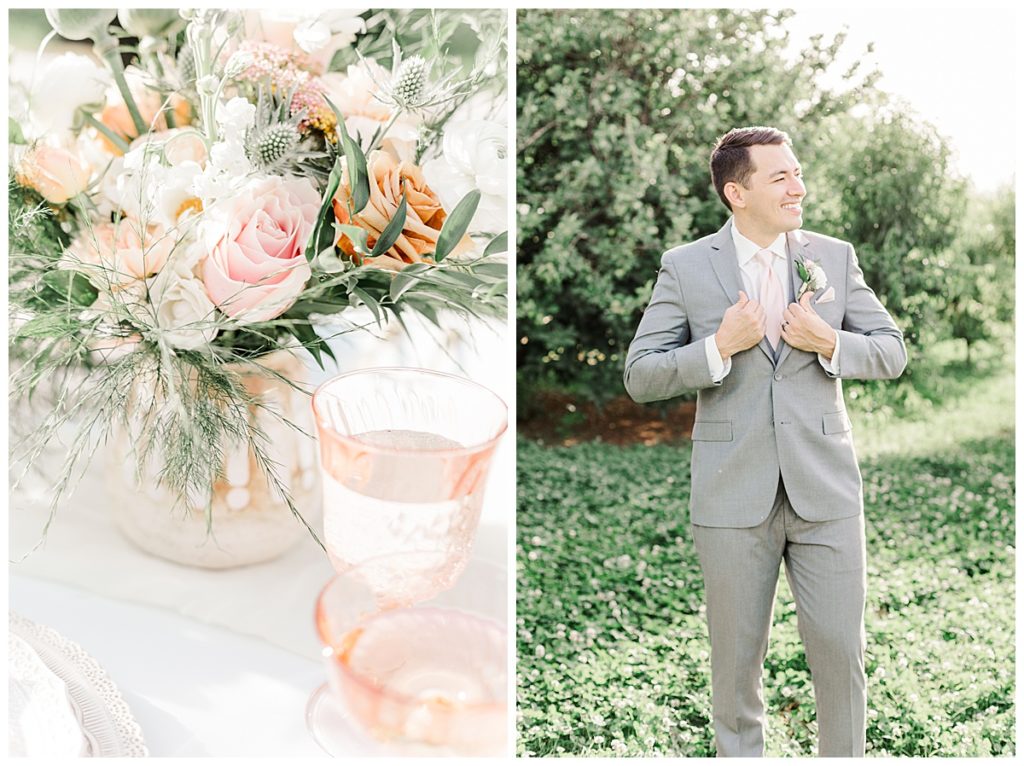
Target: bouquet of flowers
[{"x": 249, "y": 182}]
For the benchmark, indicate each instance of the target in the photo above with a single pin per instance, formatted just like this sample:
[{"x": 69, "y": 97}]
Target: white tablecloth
[
  {"x": 195, "y": 690},
  {"x": 214, "y": 662}
]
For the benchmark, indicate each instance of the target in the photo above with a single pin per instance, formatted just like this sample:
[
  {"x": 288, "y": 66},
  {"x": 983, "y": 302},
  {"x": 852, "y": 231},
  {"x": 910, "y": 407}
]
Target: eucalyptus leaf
[
  {"x": 356, "y": 234},
  {"x": 358, "y": 178},
  {"x": 392, "y": 231},
  {"x": 456, "y": 225},
  {"x": 497, "y": 245},
  {"x": 406, "y": 279},
  {"x": 67, "y": 286},
  {"x": 367, "y": 300},
  {"x": 321, "y": 237},
  {"x": 14, "y": 134}
]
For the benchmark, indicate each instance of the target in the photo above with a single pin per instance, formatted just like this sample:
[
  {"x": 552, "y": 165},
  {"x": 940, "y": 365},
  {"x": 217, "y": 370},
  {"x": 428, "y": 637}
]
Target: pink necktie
[{"x": 771, "y": 297}]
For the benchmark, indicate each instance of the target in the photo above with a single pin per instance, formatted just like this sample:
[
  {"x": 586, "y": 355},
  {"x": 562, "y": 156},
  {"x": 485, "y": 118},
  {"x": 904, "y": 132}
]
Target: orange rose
[
  {"x": 423, "y": 220},
  {"x": 116, "y": 116}
]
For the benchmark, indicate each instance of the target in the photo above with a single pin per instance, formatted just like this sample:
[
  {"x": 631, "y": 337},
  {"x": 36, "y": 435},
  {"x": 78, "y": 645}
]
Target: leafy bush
[
  {"x": 613, "y": 651},
  {"x": 618, "y": 111}
]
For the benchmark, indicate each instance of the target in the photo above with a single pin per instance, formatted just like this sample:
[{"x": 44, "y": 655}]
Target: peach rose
[
  {"x": 423, "y": 220},
  {"x": 55, "y": 173},
  {"x": 256, "y": 265},
  {"x": 117, "y": 255}
]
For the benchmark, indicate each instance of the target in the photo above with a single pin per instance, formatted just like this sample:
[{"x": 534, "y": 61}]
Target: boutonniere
[{"x": 812, "y": 276}]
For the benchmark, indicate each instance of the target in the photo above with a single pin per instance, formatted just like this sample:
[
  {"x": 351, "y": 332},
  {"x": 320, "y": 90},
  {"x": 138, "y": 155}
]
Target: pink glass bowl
[{"x": 415, "y": 669}]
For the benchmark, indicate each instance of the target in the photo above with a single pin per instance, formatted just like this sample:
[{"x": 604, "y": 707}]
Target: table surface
[{"x": 212, "y": 663}]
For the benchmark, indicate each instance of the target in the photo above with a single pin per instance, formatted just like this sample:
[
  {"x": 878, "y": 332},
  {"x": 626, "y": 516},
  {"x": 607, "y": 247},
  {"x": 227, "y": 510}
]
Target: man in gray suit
[{"x": 764, "y": 320}]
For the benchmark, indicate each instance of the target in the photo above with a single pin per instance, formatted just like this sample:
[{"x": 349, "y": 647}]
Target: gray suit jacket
[{"x": 766, "y": 417}]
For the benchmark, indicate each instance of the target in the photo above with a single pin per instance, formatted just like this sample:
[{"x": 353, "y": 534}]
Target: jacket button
[{"x": 778, "y": 376}]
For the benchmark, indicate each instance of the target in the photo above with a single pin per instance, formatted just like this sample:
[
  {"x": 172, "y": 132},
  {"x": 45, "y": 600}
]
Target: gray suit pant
[{"x": 825, "y": 565}]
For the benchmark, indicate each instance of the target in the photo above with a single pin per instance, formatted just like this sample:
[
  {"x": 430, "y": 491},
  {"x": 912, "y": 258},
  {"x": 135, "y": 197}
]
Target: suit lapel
[
  {"x": 726, "y": 266},
  {"x": 796, "y": 248}
]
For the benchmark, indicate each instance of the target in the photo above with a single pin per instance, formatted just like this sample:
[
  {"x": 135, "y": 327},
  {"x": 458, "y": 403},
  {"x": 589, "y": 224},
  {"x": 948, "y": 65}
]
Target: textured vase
[{"x": 251, "y": 522}]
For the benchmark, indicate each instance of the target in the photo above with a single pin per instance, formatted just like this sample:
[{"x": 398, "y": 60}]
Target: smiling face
[{"x": 770, "y": 203}]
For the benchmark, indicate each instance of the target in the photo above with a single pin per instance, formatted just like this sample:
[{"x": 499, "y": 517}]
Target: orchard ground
[{"x": 612, "y": 643}]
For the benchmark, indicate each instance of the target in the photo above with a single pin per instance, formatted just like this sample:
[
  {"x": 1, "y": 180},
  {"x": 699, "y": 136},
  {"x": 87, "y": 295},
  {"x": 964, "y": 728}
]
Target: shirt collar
[{"x": 746, "y": 249}]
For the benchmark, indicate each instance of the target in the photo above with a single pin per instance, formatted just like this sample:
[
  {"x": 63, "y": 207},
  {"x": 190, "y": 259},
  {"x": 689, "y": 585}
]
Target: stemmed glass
[{"x": 415, "y": 646}]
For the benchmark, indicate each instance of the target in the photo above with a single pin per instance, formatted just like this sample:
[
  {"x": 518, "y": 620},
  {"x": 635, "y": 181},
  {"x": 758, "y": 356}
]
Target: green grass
[
  {"x": 613, "y": 651},
  {"x": 941, "y": 402}
]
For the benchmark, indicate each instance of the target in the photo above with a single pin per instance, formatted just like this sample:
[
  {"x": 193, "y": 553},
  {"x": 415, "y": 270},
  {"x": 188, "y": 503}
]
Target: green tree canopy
[{"x": 618, "y": 112}]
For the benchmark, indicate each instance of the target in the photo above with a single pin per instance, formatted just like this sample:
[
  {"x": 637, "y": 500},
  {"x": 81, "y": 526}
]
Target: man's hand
[
  {"x": 742, "y": 327},
  {"x": 802, "y": 328}
]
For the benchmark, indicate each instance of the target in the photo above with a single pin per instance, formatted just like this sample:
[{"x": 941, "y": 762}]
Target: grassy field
[{"x": 613, "y": 651}]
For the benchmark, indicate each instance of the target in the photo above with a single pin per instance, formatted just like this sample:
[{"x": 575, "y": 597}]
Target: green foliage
[
  {"x": 618, "y": 111},
  {"x": 455, "y": 225},
  {"x": 612, "y": 645},
  {"x": 980, "y": 292},
  {"x": 893, "y": 193}
]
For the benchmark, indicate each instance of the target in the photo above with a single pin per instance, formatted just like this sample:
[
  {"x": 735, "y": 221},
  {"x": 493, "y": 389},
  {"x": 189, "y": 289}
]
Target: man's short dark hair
[{"x": 730, "y": 159}]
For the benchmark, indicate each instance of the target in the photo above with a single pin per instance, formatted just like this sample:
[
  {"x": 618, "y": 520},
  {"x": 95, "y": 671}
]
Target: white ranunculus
[
  {"x": 175, "y": 198},
  {"x": 68, "y": 82},
  {"x": 184, "y": 312},
  {"x": 474, "y": 155}
]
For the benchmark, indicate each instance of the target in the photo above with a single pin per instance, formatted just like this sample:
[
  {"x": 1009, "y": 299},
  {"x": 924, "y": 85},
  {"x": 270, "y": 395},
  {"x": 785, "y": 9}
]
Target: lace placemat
[{"x": 41, "y": 662}]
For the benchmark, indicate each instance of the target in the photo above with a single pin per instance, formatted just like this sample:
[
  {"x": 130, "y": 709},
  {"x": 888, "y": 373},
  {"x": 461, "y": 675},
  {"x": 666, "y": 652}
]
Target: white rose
[
  {"x": 184, "y": 312},
  {"x": 474, "y": 156},
  {"x": 817, "y": 276},
  {"x": 64, "y": 85}
]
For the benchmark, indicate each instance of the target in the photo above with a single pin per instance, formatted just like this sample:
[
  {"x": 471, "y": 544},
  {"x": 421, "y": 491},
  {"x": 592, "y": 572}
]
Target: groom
[{"x": 764, "y": 320}]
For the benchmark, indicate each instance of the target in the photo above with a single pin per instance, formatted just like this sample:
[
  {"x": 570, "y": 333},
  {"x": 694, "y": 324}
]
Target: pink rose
[
  {"x": 119, "y": 254},
  {"x": 256, "y": 266}
]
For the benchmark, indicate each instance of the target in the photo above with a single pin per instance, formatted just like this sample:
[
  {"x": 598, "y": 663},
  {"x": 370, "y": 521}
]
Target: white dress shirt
[{"x": 750, "y": 273}]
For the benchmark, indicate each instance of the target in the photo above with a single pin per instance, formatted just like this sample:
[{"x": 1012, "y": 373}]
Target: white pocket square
[{"x": 826, "y": 297}]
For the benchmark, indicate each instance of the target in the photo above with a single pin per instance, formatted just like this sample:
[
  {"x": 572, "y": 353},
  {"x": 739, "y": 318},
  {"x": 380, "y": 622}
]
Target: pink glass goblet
[{"x": 405, "y": 456}]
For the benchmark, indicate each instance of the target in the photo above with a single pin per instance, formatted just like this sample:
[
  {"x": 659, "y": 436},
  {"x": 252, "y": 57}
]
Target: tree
[
  {"x": 981, "y": 293},
  {"x": 885, "y": 182}
]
